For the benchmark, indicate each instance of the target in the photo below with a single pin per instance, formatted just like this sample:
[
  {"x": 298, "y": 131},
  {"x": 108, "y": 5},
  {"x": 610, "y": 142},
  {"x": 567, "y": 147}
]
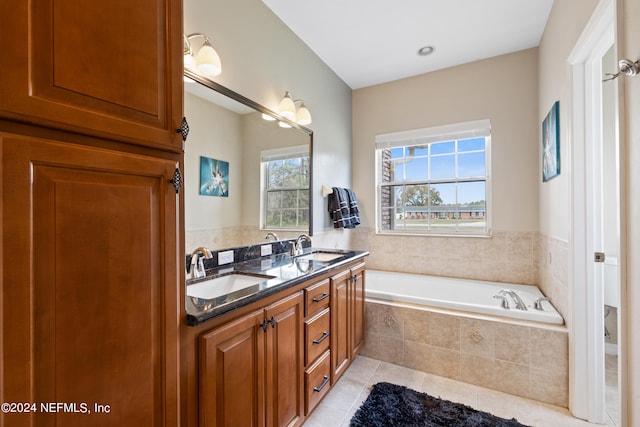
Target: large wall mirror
[{"x": 244, "y": 175}]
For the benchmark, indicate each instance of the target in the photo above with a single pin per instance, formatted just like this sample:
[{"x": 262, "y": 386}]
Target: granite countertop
[{"x": 274, "y": 274}]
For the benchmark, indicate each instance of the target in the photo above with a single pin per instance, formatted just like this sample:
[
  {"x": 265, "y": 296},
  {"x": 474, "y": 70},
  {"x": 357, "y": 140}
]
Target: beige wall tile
[
  {"x": 477, "y": 370},
  {"x": 512, "y": 378},
  {"x": 417, "y": 356},
  {"x": 417, "y": 325},
  {"x": 549, "y": 350},
  {"x": 445, "y": 331},
  {"x": 549, "y": 386},
  {"x": 444, "y": 362},
  {"x": 512, "y": 343},
  {"x": 477, "y": 337}
]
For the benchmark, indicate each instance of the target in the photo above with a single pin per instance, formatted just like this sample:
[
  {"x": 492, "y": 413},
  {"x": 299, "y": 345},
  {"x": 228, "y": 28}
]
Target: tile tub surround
[
  {"x": 553, "y": 272},
  {"x": 505, "y": 256},
  {"x": 518, "y": 358}
]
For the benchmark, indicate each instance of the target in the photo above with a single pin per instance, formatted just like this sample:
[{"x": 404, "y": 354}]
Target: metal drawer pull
[
  {"x": 322, "y": 338},
  {"x": 321, "y": 297},
  {"x": 183, "y": 129},
  {"x": 324, "y": 383}
]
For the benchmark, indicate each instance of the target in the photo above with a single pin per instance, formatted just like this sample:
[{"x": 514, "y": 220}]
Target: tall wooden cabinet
[
  {"x": 111, "y": 69},
  {"x": 90, "y": 295}
]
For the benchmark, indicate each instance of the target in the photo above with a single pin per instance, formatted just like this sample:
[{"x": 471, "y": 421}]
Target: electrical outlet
[
  {"x": 225, "y": 257},
  {"x": 265, "y": 250}
]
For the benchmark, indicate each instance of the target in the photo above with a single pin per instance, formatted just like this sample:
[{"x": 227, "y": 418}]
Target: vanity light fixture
[
  {"x": 287, "y": 109},
  {"x": 205, "y": 60}
]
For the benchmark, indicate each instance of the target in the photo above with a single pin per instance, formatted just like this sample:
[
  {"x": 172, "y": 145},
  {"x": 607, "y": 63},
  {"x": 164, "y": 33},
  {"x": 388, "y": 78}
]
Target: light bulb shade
[
  {"x": 268, "y": 118},
  {"x": 189, "y": 62},
  {"x": 303, "y": 116},
  {"x": 284, "y": 125},
  {"x": 287, "y": 108},
  {"x": 208, "y": 61}
]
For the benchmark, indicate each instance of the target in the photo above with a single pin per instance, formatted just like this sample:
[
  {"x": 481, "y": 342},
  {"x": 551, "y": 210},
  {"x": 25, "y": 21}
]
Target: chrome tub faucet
[{"x": 520, "y": 305}]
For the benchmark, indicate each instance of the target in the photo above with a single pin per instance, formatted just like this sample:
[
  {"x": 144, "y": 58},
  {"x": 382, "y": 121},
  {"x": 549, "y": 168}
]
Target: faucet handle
[
  {"x": 537, "y": 304},
  {"x": 504, "y": 303}
]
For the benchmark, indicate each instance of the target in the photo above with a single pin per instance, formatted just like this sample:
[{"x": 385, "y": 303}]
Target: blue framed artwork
[
  {"x": 551, "y": 143},
  {"x": 214, "y": 177}
]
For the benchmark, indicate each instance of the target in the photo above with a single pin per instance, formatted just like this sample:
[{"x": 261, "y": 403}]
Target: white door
[{"x": 592, "y": 193}]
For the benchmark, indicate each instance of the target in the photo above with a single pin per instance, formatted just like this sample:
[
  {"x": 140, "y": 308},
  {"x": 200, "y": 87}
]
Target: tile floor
[{"x": 352, "y": 389}]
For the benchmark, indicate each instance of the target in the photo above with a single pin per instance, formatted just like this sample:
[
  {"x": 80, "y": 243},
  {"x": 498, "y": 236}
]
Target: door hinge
[
  {"x": 177, "y": 180},
  {"x": 598, "y": 257}
]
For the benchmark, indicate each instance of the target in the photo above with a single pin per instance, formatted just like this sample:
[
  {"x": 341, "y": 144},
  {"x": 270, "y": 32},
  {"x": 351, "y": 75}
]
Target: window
[
  {"x": 435, "y": 180},
  {"x": 285, "y": 188}
]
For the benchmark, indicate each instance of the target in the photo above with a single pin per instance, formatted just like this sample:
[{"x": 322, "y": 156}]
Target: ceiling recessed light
[{"x": 426, "y": 50}]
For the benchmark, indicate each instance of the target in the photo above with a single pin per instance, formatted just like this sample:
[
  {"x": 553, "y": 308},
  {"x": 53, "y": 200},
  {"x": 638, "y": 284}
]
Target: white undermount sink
[
  {"x": 224, "y": 285},
  {"x": 321, "y": 256}
]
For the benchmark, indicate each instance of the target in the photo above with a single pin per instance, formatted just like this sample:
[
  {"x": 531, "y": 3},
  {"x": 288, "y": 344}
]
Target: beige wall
[
  {"x": 217, "y": 133},
  {"x": 261, "y": 59},
  {"x": 503, "y": 89},
  {"x": 565, "y": 24}
]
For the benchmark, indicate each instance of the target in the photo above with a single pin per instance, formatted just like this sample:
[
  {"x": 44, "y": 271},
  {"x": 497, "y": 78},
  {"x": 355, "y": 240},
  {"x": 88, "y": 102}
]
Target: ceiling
[{"x": 367, "y": 42}]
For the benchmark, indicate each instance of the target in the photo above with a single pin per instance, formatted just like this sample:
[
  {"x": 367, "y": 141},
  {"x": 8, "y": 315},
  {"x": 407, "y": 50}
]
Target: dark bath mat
[{"x": 391, "y": 405}]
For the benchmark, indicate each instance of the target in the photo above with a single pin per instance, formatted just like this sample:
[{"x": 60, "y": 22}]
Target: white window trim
[
  {"x": 457, "y": 131},
  {"x": 270, "y": 156}
]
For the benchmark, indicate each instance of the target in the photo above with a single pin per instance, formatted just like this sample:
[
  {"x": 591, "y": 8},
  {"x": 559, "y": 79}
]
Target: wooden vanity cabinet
[
  {"x": 251, "y": 368},
  {"x": 347, "y": 318},
  {"x": 270, "y": 363},
  {"x": 232, "y": 365},
  {"x": 317, "y": 327}
]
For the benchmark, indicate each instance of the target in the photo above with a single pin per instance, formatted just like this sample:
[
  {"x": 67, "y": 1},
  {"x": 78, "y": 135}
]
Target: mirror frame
[{"x": 217, "y": 87}]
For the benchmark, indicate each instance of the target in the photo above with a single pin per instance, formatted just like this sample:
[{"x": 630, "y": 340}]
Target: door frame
[{"x": 586, "y": 350}]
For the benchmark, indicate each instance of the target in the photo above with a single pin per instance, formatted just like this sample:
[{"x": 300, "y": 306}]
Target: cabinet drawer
[
  {"x": 316, "y": 297},
  {"x": 317, "y": 381},
  {"x": 316, "y": 331}
]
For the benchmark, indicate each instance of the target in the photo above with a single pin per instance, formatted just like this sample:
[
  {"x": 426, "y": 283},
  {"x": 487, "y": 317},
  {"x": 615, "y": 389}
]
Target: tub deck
[{"x": 474, "y": 296}]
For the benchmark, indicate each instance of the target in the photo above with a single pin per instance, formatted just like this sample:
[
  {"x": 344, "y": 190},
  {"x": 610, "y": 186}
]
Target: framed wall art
[
  {"x": 551, "y": 143},
  {"x": 214, "y": 177}
]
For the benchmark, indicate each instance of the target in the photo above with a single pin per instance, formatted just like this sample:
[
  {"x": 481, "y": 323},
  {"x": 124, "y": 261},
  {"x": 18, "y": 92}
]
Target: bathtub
[{"x": 475, "y": 296}]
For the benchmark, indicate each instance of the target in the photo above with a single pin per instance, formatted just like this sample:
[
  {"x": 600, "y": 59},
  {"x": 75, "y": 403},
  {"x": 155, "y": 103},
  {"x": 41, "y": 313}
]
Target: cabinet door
[
  {"x": 285, "y": 358},
  {"x": 106, "y": 68},
  {"x": 232, "y": 373},
  {"x": 356, "y": 296},
  {"x": 89, "y": 292},
  {"x": 340, "y": 324}
]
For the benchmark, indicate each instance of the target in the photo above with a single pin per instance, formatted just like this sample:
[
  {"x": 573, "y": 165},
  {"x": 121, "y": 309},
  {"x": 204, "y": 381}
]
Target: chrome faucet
[
  {"x": 197, "y": 267},
  {"x": 504, "y": 302},
  {"x": 274, "y": 236},
  {"x": 520, "y": 305},
  {"x": 537, "y": 304},
  {"x": 296, "y": 247}
]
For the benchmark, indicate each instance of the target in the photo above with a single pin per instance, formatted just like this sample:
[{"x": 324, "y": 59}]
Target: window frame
[
  {"x": 286, "y": 153},
  {"x": 421, "y": 137}
]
